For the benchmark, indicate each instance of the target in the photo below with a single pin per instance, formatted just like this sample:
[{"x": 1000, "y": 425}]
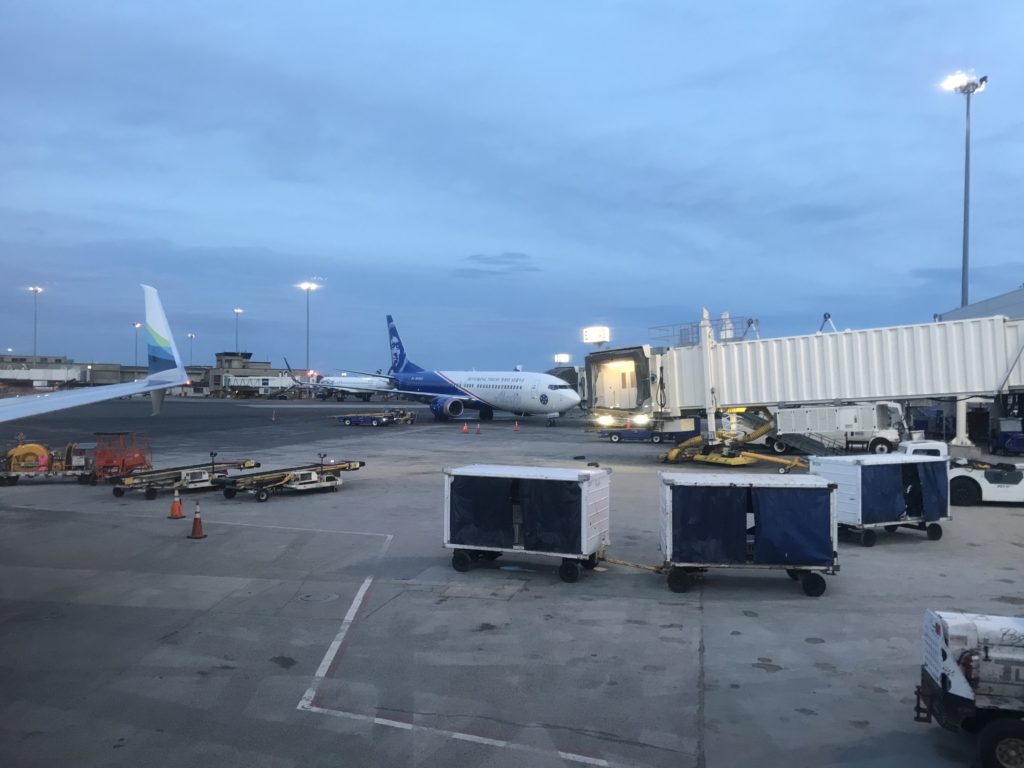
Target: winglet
[{"x": 165, "y": 366}]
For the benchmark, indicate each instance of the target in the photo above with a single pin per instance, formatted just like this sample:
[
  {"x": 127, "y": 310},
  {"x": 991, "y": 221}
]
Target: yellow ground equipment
[{"x": 36, "y": 460}]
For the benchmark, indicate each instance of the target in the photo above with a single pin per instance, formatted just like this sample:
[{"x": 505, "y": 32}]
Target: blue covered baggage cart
[
  {"x": 888, "y": 491},
  {"x": 747, "y": 520}
]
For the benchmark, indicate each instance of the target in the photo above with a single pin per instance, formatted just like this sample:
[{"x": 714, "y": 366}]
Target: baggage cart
[
  {"x": 548, "y": 511},
  {"x": 302, "y": 479},
  {"x": 890, "y": 491},
  {"x": 748, "y": 521}
]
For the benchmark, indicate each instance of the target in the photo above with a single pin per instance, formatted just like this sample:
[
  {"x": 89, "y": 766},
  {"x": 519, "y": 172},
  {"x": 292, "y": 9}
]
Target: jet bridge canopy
[{"x": 620, "y": 379}]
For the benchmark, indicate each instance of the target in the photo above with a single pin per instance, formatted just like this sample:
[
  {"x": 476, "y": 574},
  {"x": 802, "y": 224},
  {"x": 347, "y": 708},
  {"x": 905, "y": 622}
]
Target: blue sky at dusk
[{"x": 496, "y": 175}]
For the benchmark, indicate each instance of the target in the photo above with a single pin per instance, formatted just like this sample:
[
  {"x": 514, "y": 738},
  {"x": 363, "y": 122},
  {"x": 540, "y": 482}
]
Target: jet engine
[{"x": 446, "y": 407}]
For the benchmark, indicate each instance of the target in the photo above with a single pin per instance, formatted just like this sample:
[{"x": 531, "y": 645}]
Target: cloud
[{"x": 487, "y": 265}]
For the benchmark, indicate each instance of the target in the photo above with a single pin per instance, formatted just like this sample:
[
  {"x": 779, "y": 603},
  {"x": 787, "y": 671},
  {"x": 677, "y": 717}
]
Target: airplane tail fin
[
  {"x": 399, "y": 362},
  {"x": 164, "y": 361}
]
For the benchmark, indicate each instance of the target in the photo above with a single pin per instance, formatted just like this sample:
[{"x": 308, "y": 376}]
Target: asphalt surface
[{"x": 330, "y": 629}]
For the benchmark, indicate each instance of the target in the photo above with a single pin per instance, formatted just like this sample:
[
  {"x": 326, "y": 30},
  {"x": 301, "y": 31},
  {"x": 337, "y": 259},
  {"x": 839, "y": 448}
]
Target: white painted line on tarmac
[
  {"x": 458, "y": 736},
  {"x": 335, "y": 646}
]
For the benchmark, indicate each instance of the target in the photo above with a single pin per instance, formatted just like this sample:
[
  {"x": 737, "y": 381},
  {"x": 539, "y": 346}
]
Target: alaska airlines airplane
[
  {"x": 165, "y": 370},
  {"x": 450, "y": 393}
]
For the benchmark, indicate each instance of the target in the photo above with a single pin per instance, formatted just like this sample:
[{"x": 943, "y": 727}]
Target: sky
[{"x": 496, "y": 175}]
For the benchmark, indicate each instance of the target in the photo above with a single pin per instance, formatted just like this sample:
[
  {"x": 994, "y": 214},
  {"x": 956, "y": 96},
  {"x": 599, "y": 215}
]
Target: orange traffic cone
[
  {"x": 197, "y": 526},
  {"x": 465, "y": 428},
  {"x": 176, "y": 507},
  {"x": 628, "y": 425},
  {"x": 478, "y": 427},
  {"x": 517, "y": 427}
]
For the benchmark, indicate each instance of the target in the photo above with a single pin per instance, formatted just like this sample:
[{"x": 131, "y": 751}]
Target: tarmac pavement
[{"x": 329, "y": 629}]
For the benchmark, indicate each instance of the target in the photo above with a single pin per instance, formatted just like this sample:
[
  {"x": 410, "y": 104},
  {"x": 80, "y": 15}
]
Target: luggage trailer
[
  {"x": 748, "y": 521},
  {"x": 301, "y": 479},
  {"x": 889, "y": 491},
  {"x": 548, "y": 511},
  {"x": 190, "y": 477}
]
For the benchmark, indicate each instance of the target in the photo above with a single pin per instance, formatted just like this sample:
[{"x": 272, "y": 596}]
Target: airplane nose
[{"x": 574, "y": 398}]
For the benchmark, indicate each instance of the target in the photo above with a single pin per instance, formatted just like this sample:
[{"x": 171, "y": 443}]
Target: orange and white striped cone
[
  {"x": 478, "y": 427},
  {"x": 516, "y": 427},
  {"x": 176, "y": 513},
  {"x": 197, "y": 525},
  {"x": 465, "y": 429}
]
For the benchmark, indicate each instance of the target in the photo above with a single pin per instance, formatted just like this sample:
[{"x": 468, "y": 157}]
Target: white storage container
[
  {"x": 888, "y": 491},
  {"x": 747, "y": 520},
  {"x": 490, "y": 509}
]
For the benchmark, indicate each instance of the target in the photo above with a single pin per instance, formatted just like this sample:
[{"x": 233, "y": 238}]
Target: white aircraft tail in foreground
[{"x": 165, "y": 370}]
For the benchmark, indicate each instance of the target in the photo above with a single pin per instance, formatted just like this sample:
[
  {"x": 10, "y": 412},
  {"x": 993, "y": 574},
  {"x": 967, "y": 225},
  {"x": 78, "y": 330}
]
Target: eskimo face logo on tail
[{"x": 397, "y": 352}]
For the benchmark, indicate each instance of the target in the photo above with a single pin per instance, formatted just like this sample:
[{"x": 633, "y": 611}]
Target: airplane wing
[{"x": 165, "y": 370}]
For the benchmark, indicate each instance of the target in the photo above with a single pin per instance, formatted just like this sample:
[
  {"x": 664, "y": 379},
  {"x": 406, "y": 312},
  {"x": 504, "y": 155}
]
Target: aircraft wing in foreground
[{"x": 165, "y": 370}]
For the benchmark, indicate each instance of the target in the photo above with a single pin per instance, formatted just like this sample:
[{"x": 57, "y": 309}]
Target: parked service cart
[
  {"x": 550, "y": 511},
  {"x": 192, "y": 477},
  {"x": 307, "y": 478},
  {"x": 747, "y": 520},
  {"x": 381, "y": 419},
  {"x": 888, "y": 491},
  {"x": 972, "y": 679},
  {"x": 121, "y": 453},
  {"x": 37, "y": 462}
]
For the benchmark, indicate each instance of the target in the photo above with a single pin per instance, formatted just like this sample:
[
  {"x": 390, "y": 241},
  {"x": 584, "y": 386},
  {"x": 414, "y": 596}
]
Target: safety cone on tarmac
[
  {"x": 197, "y": 525},
  {"x": 478, "y": 427},
  {"x": 516, "y": 427},
  {"x": 176, "y": 513},
  {"x": 465, "y": 428},
  {"x": 273, "y": 415}
]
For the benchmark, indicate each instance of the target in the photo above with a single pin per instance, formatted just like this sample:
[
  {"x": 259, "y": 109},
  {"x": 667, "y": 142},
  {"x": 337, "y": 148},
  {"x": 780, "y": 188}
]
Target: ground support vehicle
[
  {"x": 121, "y": 453},
  {"x": 303, "y": 479},
  {"x": 891, "y": 491},
  {"x": 972, "y": 679},
  {"x": 381, "y": 419},
  {"x": 643, "y": 436},
  {"x": 972, "y": 481},
  {"x": 1009, "y": 437},
  {"x": 548, "y": 511},
  {"x": 875, "y": 427},
  {"x": 191, "y": 477},
  {"x": 748, "y": 521},
  {"x": 37, "y": 462}
]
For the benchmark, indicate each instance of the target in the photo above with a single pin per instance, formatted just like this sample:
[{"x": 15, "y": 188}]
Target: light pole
[
  {"x": 967, "y": 85},
  {"x": 308, "y": 287},
  {"x": 237, "y": 312},
  {"x": 191, "y": 337},
  {"x": 136, "y": 326},
  {"x": 36, "y": 290}
]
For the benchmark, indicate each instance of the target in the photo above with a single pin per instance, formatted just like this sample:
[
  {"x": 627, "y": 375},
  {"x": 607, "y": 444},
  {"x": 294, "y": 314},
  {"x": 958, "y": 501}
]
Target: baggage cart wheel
[
  {"x": 374, "y": 423},
  {"x": 229, "y": 493},
  {"x": 591, "y": 562},
  {"x": 569, "y": 571},
  {"x": 1001, "y": 743},
  {"x": 891, "y": 528},
  {"x": 118, "y": 491},
  {"x": 461, "y": 561},
  {"x": 793, "y": 573},
  {"x": 868, "y": 538},
  {"x": 615, "y": 437},
  {"x": 347, "y": 422},
  {"x": 262, "y": 494},
  {"x": 679, "y": 580},
  {"x": 151, "y": 493},
  {"x": 813, "y": 584},
  {"x": 656, "y": 438},
  {"x": 934, "y": 532}
]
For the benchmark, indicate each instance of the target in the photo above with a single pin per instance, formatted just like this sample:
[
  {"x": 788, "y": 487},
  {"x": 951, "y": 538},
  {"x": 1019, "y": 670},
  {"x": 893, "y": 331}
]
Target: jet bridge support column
[
  {"x": 961, "y": 438},
  {"x": 707, "y": 344}
]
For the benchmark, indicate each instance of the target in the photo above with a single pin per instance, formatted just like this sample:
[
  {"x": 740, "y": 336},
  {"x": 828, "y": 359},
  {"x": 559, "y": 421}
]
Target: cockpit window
[{"x": 559, "y": 386}]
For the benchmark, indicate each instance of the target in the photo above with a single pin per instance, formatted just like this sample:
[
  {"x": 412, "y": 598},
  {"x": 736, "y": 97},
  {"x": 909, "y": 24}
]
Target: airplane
[
  {"x": 165, "y": 370},
  {"x": 361, "y": 385},
  {"x": 450, "y": 393}
]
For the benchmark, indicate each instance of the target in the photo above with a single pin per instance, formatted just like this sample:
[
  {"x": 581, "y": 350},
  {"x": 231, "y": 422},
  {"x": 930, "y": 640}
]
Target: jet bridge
[{"x": 958, "y": 358}]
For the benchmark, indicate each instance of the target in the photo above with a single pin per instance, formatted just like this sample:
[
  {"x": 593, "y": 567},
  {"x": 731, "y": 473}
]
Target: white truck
[
  {"x": 972, "y": 679},
  {"x": 971, "y": 481},
  {"x": 877, "y": 427}
]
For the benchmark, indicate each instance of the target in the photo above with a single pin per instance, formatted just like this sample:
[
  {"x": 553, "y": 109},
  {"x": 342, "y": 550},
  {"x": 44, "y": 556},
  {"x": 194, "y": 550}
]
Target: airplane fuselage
[{"x": 515, "y": 391}]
